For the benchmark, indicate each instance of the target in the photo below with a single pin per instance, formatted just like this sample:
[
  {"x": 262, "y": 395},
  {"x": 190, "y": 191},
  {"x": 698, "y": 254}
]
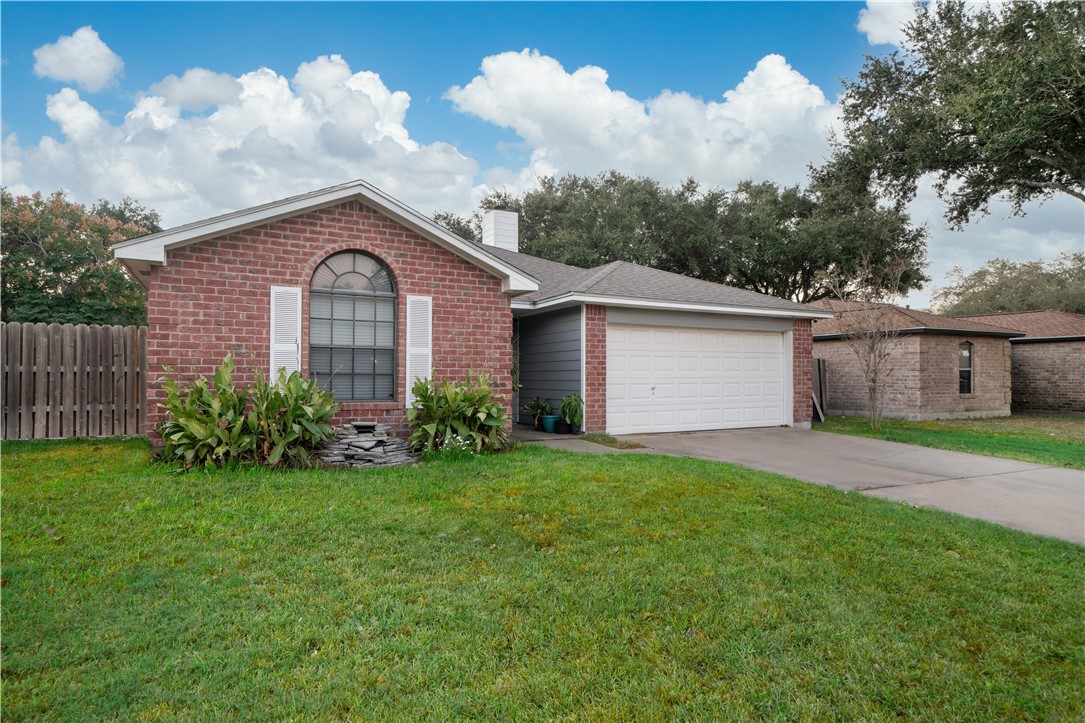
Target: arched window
[{"x": 352, "y": 327}]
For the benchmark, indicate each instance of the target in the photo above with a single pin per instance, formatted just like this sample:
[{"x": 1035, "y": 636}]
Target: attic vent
[{"x": 501, "y": 229}]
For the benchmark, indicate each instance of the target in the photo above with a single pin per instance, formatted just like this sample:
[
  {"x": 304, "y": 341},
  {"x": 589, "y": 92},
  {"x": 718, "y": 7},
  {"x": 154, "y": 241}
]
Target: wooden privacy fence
[{"x": 62, "y": 380}]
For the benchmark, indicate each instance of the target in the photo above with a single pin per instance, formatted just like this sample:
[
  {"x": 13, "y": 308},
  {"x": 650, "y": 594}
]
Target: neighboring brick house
[
  {"x": 942, "y": 368},
  {"x": 1048, "y": 362},
  {"x": 364, "y": 294}
]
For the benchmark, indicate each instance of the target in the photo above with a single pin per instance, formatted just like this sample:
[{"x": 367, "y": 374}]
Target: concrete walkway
[{"x": 1031, "y": 497}]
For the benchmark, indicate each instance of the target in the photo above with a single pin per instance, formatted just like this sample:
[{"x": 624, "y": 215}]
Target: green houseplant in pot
[
  {"x": 572, "y": 412},
  {"x": 549, "y": 422},
  {"x": 538, "y": 408}
]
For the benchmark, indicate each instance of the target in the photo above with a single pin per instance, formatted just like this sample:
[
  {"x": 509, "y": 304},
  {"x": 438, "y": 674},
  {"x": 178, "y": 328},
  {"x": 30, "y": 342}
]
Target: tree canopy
[
  {"x": 786, "y": 242},
  {"x": 1002, "y": 286},
  {"x": 57, "y": 261},
  {"x": 990, "y": 99}
]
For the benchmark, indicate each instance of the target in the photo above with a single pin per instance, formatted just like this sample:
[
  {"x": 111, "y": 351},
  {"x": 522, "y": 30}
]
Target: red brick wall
[
  {"x": 1049, "y": 377},
  {"x": 802, "y": 365},
  {"x": 213, "y": 298},
  {"x": 595, "y": 368}
]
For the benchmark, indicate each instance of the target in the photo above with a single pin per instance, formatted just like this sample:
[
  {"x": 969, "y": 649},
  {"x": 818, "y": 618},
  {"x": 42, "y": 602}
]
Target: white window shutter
[
  {"x": 419, "y": 340},
  {"x": 285, "y": 329}
]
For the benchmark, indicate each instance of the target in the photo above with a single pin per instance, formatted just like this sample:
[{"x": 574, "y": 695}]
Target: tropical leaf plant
[
  {"x": 458, "y": 413},
  {"x": 211, "y": 424}
]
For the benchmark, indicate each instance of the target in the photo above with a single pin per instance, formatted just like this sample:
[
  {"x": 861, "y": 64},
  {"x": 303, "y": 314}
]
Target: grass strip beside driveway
[
  {"x": 1058, "y": 441},
  {"x": 535, "y": 584}
]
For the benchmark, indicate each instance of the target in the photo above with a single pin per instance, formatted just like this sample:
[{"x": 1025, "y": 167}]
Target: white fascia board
[
  {"x": 570, "y": 299},
  {"x": 153, "y": 248}
]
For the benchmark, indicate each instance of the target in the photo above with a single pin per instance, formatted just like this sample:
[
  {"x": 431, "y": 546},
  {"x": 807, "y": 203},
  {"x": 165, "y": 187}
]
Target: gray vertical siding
[{"x": 550, "y": 353}]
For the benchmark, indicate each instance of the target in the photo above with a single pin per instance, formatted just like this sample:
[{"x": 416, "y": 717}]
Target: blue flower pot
[{"x": 548, "y": 422}]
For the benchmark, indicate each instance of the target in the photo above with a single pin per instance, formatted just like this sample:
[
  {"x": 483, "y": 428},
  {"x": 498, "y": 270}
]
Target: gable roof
[
  {"x": 1037, "y": 325},
  {"x": 621, "y": 283},
  {"x": 139, "y": 254},
  {"x": 902, "y": 320}
]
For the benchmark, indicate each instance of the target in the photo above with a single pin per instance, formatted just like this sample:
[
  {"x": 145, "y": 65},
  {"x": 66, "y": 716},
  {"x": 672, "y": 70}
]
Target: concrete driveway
[{"x": 1031, "y": 497}]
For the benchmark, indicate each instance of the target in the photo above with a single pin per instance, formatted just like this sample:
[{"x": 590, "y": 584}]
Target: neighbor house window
[
  {"x": 964, "y": 356},
  {"x": 352, "y": 327}
]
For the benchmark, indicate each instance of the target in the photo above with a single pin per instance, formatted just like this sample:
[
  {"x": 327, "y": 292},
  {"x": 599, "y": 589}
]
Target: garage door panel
[{"x": 662, "y": 379}]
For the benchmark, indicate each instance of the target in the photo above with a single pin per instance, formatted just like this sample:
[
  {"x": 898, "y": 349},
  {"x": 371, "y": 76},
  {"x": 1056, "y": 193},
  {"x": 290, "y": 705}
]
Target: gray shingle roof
[
  {"x": 622, "y": 279},
  {"x": 901, "y": 319}
]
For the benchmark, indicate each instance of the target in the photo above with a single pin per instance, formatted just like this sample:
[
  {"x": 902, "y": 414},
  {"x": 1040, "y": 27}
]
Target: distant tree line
[
  {"x": 1002, "y": 286},
  {"x": 788, "y": 242},
  {"x": 57, "y": 261}
]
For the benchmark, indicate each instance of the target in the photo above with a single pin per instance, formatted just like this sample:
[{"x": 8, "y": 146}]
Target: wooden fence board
[
  {"x": 26, "y": 382},
  {"x": 55, "y": 389},
  {"x": 105, "y": 360},
  {"x": 142, "y": 395},
  {"x": 118, "y": 380},
  {"x": 72, "y": 380},
  {"x": 67, "y": 414},
  {"x": 81, "y": 373},
  {"x": 131, "y": 381},
  {"x": 41, "y": 378},
  {"x": 12, "y": 352}
]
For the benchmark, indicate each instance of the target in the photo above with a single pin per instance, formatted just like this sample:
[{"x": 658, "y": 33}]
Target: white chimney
[{"x": 501, "y": 229}]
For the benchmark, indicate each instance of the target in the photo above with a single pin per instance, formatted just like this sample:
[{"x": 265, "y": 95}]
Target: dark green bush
[
  {"x": 463, "y": 415},
  {"x": 210, "y": 424}
]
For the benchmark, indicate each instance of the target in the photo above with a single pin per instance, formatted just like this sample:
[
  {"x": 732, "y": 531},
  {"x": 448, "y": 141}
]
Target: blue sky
[{"x": 202, "y": 108}]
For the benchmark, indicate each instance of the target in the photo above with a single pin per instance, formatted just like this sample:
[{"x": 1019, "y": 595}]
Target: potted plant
[
  {"x": 538, "y": 408},
  {"x": 572, "y": 411},
  {"x": 549, "y": 422}
]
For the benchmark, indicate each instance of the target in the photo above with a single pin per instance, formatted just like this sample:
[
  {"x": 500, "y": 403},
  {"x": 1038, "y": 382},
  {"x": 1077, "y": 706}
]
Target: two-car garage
[{"x": 678, "y": 377}]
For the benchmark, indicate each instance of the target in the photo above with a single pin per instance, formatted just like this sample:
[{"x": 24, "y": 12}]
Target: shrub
[
  {"x": 292, "y": 416},
  {"x": 458, "y": 414},
  {"x": 209, "y": 423},
  {"x": 206, "y": 423},
  {"x": 572, "y": 410},
  {"x": 537, "y": 407}
]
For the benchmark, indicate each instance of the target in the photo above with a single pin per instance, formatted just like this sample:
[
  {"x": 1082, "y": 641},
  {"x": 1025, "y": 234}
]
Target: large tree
[
  {"x": 57, "y": 261},
  {"x": 990, "y": 99},
  {"x": 785, "y": 242},
  {"x": 1000, "y": 286}
]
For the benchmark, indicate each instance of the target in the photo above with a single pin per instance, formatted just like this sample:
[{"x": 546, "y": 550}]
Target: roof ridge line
[{"x": 607, "y": 269}]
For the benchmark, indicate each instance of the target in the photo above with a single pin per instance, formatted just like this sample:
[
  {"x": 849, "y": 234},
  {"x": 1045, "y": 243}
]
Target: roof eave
[
  {"x": 575, "y": 299},
  {"x": 1049, "y": 339},
  {"x": 925, "y": 330}
]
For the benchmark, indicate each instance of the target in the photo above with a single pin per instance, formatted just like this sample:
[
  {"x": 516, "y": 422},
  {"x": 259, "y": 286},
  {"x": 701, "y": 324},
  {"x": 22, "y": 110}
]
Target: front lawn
[
  {"x": 1054, "y": 440},
  {"x": 537, "y": 584}
]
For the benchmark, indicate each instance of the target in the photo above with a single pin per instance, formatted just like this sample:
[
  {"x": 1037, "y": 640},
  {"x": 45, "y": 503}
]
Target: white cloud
[
  {"x": 197, "y": 89},
  {"x": 274, "y": 137},
  {"x": 81, "y": 58},
  {"x": 768, "y": 126},
  {"x": 883, "y": 21}
]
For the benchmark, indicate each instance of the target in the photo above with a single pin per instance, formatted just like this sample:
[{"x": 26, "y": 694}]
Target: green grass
[
  {"x": 1058, "y": 441},
  {"x": 536, "y": 584}
]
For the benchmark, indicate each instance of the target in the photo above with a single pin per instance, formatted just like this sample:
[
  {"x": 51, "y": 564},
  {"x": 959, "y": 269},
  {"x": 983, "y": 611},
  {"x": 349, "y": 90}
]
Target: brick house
[
  {"x": 942, "y": 368},
  {"x": 364, "y": 294},
  {"x": 1048, "y": 361}
]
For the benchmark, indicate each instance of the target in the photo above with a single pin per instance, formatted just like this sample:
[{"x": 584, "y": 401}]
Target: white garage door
[{"x": 666, "y": 379}]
